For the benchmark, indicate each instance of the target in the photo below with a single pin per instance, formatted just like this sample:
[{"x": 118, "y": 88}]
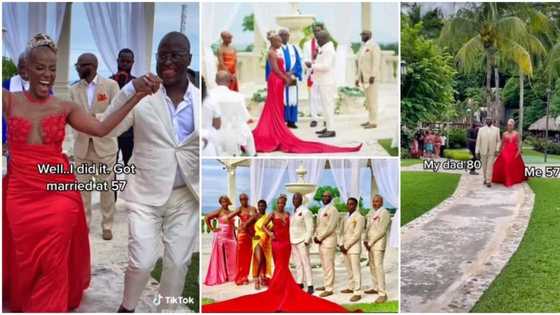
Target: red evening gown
[
  {"x": 45, "y": 254},
  {"x": 272, "y": 134},
  {"x": 283, "y": 294},
  {"x": 244, "y": 251},
  {"x": 509, "y": 169}
]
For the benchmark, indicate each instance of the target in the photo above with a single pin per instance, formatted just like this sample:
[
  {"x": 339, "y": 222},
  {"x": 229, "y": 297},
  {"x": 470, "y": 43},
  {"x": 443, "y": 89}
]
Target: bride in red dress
[
  {"x": 509, "y": 168},
  {"x": 271, "y": 133},
  {"x": 283, "y": 294},
  {"x": 45, "y": 245}
]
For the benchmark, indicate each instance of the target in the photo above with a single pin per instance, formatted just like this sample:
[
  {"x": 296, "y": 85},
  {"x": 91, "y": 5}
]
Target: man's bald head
[
  {"x": 223, "y": 78},
  {"x": 365, "y": 35},
  {"x": 88, "y": 57},
  {"x": 323, "y": 37},
  {"x": 87, "y": 66},
  {"x": 176, "y": 38}
]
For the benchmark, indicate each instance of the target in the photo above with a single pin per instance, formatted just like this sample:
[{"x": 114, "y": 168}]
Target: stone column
[
  {"x": 63, "y": 56},
  {"x": 232, "y": 182},
  {"x": 149, "y": 14},
  {"x": 366, "y": 16}
]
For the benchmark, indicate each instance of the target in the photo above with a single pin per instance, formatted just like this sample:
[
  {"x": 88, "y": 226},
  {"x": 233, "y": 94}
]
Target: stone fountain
[
  {"x": 301, "y": 186},
  {"x": 295, "y": 22}
]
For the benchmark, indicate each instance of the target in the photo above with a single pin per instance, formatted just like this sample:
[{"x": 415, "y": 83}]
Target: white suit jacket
[
  {"x": 156, "y": 152},
  {"x": 488, "y": 140},
  {"x": 324, "y": 67},
  {"x": 352, "y": 229},
  {"x": 301, "y": 226}
]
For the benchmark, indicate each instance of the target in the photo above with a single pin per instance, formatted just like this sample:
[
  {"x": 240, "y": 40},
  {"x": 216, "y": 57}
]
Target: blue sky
[{"x": 214, "y": 183}]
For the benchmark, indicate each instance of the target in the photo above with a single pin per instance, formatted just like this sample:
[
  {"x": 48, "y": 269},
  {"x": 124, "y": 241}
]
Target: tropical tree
[{"x": 484, "y": 35}]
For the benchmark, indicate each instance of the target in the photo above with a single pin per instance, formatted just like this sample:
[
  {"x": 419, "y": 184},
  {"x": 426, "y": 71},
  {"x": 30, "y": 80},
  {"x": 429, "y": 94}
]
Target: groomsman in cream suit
[
  {"x": 369, "y": 60},
  {"x": 324, "y": 68},
  {"x": 351, "y": 248},
  {"x": 162, "y": 197},
  {"x": 487, "y": 148},
  {"x": 377, "y": 228},
  {"x": 301, "y": 234},
  {"x": 325, "y": 236},
  {"x": 94, "y": 93}
]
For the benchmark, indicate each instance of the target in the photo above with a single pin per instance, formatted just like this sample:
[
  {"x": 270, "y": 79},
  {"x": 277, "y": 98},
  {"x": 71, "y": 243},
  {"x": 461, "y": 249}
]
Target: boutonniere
[
  {"x": 325, "y": 214},
  {"x": 367, "y": 50},
  {"x": 300, "y": 214},
  {"x": 102, "y": 97}
]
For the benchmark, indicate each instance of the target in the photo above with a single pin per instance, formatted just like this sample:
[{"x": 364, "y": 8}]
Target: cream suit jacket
[
  {"x": 324, "y": 68},
  {"x": 376, "y": 230},
  {"x": 301, "y": 226},
  {"x": 369, "y": 62},
  {"x": 353, "y": 227},
  {"x": 157, "y": 154},
  {"x": 105, "y": 92},
  {"x": 488, "y": 141},
  {"x": 327, "y": 221}
]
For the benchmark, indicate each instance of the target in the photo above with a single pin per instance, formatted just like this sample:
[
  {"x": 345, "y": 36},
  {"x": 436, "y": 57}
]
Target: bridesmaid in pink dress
[{"x": 222, "y": 267}]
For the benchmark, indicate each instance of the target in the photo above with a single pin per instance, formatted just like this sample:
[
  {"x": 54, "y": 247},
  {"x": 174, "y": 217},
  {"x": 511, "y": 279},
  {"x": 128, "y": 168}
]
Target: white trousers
[
  {"x": 314, "y": 102},
  {"x": 376, "y": 259},
  {"x": 328, "y": 99},
  {"x": 300, "y": 252},
  {"x": 371, "y": 100},
  {"x": 327, "y": 261},
  {"x": 176, "y": 225},
  {"x": 487, "y": 161},
  {"x": 352, "y": 262}
]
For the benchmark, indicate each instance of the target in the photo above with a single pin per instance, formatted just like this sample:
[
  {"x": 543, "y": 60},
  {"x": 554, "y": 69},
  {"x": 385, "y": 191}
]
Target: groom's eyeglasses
[{"x": 175, "y": 56}]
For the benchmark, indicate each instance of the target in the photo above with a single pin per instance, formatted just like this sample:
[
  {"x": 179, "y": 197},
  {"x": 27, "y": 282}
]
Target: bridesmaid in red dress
[
  {"x": 45, "y": 245},
  {"x": 283, "y": 294},
  {"x": 509, "y": 168},
  {"x": 245, "y": 233},
  {"x": 271, "y": 133}
]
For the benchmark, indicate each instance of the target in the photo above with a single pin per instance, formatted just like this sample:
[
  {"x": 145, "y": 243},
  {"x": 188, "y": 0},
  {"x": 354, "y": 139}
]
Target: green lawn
[
  {"x": 410, "y": 162},
  {"x": 421, "y": 191},
  {"x": 531, "y": 156},
  {"x": 458, "y": 154},
  {"x": 387, "y": 307},
  {"x": 386, "y": 144},
  {"x": 191, "y": 288},
  {"x": 530, "y": 282}
]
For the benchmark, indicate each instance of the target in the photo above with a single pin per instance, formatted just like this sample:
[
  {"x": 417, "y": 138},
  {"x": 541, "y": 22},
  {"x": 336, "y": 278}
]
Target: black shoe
[
  {"x": 124, "y": 310},
  {"x": 313, "y": 124},
  {"x": 328, "y": 134},
  {"x": 320, "y": 132},
  {"x": 300, "y": 285},
  {"x": 292, "y": 125},
  {"x": 310, "y": 289}
]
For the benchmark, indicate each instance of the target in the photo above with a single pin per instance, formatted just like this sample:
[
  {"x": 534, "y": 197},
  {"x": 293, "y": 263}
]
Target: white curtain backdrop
[
  {"x": 217, "y": 18},
  {"x": 116, "y": 26},
  {"x": 314, "y": 167},
  {"x": 386, "y": 173},
  {"x": 346, "y": 175},
  {"x": 23, "y": 20},
  {"x": 265, "y": 16},
  {"x": 266, "y": 177}
]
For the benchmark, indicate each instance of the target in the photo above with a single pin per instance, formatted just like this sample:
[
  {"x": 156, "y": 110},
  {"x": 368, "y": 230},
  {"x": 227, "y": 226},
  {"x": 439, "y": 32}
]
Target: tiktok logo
[{"x": 157, "y": 299}]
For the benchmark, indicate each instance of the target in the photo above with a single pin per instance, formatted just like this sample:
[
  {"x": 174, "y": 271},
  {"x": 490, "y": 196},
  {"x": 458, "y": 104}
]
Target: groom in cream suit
[
  {"x": 325, "y": 236},
  {"x": 162, "y": 197},
  {"x": 351, "y": 248},
  {"x": 487, "y": 148},
  {"x": 377, "y": 227},
  {"x": 94, "y": 93},
  {"x": 369, "y": 60},
  {"x": 324, "y": 68},
  {"x": 301, "y": 234}
]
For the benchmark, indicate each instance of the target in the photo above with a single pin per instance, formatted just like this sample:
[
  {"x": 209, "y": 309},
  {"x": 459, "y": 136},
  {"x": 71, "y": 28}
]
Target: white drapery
[
  {"x": 116, "y": 26},
  {"x": 346, "y": 175},
  {"x": 386, "y": 173},
  {"x": 23, "y": 20},
  {"x": 218, "y": 17},
  {"x": 265, "y": 16},
  {"x": 266, "y": 177}
]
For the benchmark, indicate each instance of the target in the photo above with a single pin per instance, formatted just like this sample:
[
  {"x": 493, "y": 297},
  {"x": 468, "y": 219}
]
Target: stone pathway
[
  {"x": 230, "y": 290},
  {"x": 451, "y": 254}
]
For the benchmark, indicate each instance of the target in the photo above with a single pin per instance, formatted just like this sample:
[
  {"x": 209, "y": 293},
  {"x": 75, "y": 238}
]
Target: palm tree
[{"x": 484, "y": 36}]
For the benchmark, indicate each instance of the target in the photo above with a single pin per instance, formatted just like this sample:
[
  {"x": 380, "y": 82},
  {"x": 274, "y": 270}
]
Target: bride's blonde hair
[{"x": 512, "y": 121}]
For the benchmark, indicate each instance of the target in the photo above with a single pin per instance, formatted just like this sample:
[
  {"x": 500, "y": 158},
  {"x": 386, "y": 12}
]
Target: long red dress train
[
  {"x": 272, "y": 134},
  {"x": 509, "y": 169},
  {"x": 283, "y": 294},
  {"x": 46, "y": 256}
]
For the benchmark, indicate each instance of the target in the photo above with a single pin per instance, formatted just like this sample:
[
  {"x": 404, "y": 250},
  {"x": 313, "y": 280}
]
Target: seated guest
[
  {"x": 211, "y": 123},
  {"x": 235, "y": 134}
]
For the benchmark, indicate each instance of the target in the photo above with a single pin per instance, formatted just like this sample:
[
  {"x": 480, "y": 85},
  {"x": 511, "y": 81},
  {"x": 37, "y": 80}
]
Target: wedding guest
[
  {"x": 369, "y": 61},
  {"x": 324, "y": 68},
  {"x": 293, "y": 68},
  {"x": 227, "y": 59},
  {"x": 301, "y": 234},
  {"x": 377, "y": 227},
  {"x": 472, "y": 134},
  {"x": 211, "y": 122},
  {"x": 487, "y": 148},
  {"x": 221, "y": 267},
  {"x": 437, "y": 144},
  {"x": 125, "y": 61},
  {"x": 162, "y": 196},
  {"x": 245, "y": 233},
  {"x": 262, "y": 248},
  {"x": 20, "y": 81},
  {"x": 351, "y": 247},
  {"x": 94, "y": 93},
  {"x": 232, "y": 102},
  {"x": 310, "y": 53},
  {"x": 325, "y": 236},
  {"x": 429, "y": 144}
]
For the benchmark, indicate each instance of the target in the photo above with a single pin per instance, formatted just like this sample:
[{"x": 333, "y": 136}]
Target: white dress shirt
[{"x": 91, "y": 87}]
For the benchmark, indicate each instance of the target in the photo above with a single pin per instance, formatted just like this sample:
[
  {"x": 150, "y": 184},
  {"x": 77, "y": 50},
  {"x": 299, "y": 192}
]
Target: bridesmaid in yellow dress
[{"x": 262, "y": 248}]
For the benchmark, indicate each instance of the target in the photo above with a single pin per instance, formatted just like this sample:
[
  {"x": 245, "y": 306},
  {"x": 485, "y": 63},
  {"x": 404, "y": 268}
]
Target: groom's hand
[{"x": 146, "y": 84}]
